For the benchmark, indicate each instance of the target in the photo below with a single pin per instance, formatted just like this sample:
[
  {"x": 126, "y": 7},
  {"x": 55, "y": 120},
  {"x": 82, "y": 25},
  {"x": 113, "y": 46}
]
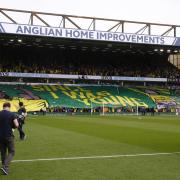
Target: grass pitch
[{"x": 84, "y": 136}]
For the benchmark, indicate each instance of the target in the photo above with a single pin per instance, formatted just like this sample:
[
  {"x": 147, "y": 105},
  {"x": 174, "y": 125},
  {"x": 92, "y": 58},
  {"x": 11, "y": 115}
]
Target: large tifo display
[
  {"x": 35, "y": 97},
  {"x": 86, "y": 34}
]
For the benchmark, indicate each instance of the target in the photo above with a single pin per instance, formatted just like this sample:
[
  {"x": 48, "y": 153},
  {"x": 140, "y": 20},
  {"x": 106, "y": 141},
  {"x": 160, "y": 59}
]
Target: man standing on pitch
[
  {"x": 21, "y": 120},
  {"x": 7, "y": 122}
]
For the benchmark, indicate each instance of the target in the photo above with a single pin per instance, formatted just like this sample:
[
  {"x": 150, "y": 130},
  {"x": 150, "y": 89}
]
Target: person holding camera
[{"x": 8, "y": 121}]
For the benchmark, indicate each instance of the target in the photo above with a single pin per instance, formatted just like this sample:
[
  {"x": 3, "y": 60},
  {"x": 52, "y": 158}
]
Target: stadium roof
[{"x": 89, "y": 23}]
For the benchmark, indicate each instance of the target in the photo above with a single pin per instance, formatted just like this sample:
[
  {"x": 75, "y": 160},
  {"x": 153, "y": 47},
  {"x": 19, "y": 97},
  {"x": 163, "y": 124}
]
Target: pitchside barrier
[{"x": 107, "y": 111}]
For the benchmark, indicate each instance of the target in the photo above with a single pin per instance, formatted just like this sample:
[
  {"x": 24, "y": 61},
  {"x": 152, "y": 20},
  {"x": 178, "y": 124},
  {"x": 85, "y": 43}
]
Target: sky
[{"x": 156, "y": 11}]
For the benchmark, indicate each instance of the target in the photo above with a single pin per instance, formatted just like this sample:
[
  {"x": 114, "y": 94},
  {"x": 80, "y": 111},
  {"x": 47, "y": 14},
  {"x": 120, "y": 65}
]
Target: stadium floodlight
[
  {"x": 155, "y": 50},
  {"x": 161, "y": 50},
  {"x": 19, "y": 40},
  {"x": 175, "y": 51},
  {"x": 168, "y": 50},
  {"x": 11, "y": 40}
]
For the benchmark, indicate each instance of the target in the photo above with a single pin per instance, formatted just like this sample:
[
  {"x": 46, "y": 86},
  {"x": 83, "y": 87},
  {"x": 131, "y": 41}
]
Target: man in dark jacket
[
  {"x": 7, "y": 122},
  {"x": 21, "y": 120}
]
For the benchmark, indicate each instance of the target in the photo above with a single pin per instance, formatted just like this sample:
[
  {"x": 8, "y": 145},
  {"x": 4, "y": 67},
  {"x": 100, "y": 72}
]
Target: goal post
[
  {"x": 117, "y": 109},
  {"x": 177, "y": 110}
]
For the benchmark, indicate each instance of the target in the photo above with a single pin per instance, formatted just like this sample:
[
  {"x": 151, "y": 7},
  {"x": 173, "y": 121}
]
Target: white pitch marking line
[{"x": 94, "y": 157}]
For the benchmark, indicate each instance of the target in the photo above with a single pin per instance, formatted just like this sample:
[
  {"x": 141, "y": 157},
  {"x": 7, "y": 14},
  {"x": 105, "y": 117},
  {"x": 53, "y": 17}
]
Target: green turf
[{"x": 71, "y": 136}]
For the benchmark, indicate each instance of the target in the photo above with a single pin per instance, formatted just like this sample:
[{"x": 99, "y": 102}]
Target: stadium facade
[{"x": 91, "y": 39}]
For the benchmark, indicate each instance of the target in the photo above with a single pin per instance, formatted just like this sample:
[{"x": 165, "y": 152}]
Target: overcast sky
[{"x": 161, "y": 11}]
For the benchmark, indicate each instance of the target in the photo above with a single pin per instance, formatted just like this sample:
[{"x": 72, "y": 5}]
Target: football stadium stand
[
  {"x": 64, "y": 69},
  {"x": 88, "y": 63}
]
